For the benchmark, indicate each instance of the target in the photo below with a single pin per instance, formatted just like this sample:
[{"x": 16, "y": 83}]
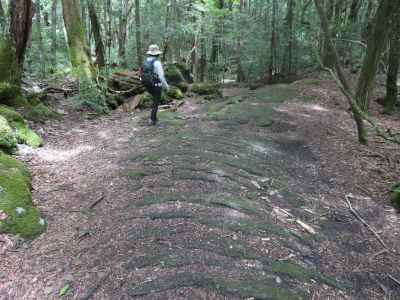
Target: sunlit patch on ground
[{"x": 54, "y": 155}]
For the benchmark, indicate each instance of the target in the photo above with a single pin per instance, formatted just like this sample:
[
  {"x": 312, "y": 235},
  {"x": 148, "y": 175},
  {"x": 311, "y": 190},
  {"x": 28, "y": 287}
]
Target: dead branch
[{"x": 357, "y": 215}]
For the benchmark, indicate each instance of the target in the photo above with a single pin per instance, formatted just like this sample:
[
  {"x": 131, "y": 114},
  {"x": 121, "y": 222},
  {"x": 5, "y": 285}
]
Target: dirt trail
[{"x": 220, "y": 201}]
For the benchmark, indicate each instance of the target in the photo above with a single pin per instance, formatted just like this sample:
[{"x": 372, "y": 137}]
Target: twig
[
  {"x": 101, "y": 198},
  {"x": 357, "y": 215},
  {"x": 394, "y": 279}
]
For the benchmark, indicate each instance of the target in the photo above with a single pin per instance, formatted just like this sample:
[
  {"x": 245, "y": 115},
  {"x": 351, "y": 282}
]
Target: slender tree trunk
[
  {"x": 78, "y": 51},
  {"x": 96, "y": 28},
  {"x": 139, "y": 47},
  {"x": 2, "y": 17},
  {"x": 272, "y": 65},
  {"x": 42, "y": 58},
  {"x": 216, "y": 42},
  {"x": 123, "y": 28},
  {"x": 240, "y": 76},
  {"x": 54, "y": 33},
  {"x": 326, "y": 54},
  {"x": 394, "y": 63},
  {"x": 290, "y": 45}
]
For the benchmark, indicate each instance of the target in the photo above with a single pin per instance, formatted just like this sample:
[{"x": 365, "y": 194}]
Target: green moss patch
[
  {"x": 395, "y": 196},
  {"x": 206, "y": 88},
  {"x": 296, "y": 272},
  {"x": 175, "y": 93},
  {"x": 8, "y": 142},
  {"x": 40, "y": 113},
  {"x": 262, "y": 288},
  {"x": 23, "y": 134},
  {"x": 16, "y": 201},
  {"x": 172, "y": 118}
]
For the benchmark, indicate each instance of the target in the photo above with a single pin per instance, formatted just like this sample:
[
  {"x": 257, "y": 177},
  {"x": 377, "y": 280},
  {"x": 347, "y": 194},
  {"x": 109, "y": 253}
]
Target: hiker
[{"x": 152, "y": 77}]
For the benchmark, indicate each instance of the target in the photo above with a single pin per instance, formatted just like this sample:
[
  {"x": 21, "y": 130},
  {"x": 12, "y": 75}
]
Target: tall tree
[
  {"x": 138, "y": 22},
  {"x": 78, "y": 50},
  {"x": 394, "y": 63},
  {"x": 54, "y": 33},
  {"x": 13, "y": 45},
  {"x": 42, "y": 57},
  {"x": 96, "y": 29}
]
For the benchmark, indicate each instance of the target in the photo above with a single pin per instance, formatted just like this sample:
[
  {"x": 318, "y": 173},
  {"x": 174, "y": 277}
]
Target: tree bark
[
  {"x": 54, "y": 33},
  {"x": 139, "y": 47},
  {"x": 2, "y": 17},
  {"x": 42, "y": 58},
  {"x": 78, "y": 51},
  {"x": 273, "y": 56},
  {"x": 240, "y": 76},
  {"x": 122, "y": 34},
  {"x": 394, "y": 63},
  {"x": 13, "y": 45},
  {"x": 100, "y": 60}
]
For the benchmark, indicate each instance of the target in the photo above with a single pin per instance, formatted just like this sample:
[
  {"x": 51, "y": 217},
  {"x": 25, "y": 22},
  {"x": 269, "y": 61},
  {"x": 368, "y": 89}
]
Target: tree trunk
[
  {"x": 78, "y": 51},
  {"x": 394, "y": 63},
  {"x": 100, "y": 60},
  {"x": 288, "y": 65},
  {"x": 54, "y": 34},
  {"x": 272, "y": 62},
  {"x": 376, "y": 45},
  {"x": 2, "y": 17},
  {"x": 42, "y": 58},
  {"x": 139, "y": 48},
  {"x": 123, "y": 28},
  {"x": 327, "y": 55},
  {"x": 13, "y": 45},
  {"x": 240, "y": 76}
]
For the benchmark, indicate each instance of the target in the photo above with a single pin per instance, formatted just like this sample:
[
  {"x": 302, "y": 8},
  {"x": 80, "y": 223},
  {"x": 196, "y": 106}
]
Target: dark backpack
[{"x": 147, "y": 74}]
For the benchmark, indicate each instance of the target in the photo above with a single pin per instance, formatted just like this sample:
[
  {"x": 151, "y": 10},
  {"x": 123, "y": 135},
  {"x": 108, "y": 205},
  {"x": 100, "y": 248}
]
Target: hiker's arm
[{"x": 160, "y": 72}]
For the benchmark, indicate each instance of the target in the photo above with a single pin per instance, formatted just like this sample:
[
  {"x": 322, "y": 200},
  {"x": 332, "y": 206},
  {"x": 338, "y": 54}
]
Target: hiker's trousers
[{"x": 155, "y": 92}]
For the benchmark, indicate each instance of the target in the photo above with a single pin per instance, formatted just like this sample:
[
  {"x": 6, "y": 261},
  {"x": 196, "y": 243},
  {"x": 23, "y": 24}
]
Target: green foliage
[
  {"x": 395, "y": 196},
  {"x": 40, "y": 113},
  {"x": 92, "y": 95},
  {"x": 8, "y": 67}
]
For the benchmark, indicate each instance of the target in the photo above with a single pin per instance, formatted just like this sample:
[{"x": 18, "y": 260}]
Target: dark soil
[{"x": 234, "y": 198}]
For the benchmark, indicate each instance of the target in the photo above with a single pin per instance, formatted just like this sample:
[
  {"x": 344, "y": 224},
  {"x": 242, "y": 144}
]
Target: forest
[{"x": 199, "y": 149}]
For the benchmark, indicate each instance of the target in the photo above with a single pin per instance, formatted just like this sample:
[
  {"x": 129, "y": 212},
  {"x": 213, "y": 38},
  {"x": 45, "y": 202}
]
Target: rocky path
[{"x": 227, "y": 199}]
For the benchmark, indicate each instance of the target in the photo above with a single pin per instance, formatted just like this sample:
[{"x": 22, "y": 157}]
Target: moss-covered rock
[
  {"x": 8, "y": 142},
  {"x": 173, "y": 75},
  {"x": 183, "y": 86},
  {"x": 186, "y": 73},
  {"x": 22, "y": 218},
  {"x": 11, "y": 95},
  {"x": 23, "y": 134},
  {"x": 206, "y": 88},
  {"x": 175, "y": 93},
  {"x": 40, "y": 113},
  {"x": 395, "y": 196}
]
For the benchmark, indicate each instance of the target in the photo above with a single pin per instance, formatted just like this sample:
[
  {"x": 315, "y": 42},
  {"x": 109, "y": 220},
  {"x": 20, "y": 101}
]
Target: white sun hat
[{"x": 154, "y": 50}]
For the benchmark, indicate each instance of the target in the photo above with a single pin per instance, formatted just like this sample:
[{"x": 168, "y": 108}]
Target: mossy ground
[
  {"x": 8, "y": 141},
  {"x": 15, "y": 193}
]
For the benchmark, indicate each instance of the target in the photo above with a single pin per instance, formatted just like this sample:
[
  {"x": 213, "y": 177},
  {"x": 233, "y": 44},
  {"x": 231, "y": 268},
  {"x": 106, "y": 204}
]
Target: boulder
[
  {"x": 23, "y": 134},
  {"x": 8, "y": 141},
  {"x": 18, "y": 214}
]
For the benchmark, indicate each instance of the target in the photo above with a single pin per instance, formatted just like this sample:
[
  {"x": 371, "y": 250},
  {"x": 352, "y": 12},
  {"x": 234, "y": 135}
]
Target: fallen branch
[
  {"x": 394, "y": 279},
  {"x": 357, "y": 215},
  {"x": 93, "y": 205}
]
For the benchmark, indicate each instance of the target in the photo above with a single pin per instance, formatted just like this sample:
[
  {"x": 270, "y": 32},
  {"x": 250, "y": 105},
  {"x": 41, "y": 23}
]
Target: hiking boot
[{"x": 152, "y": 122}]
